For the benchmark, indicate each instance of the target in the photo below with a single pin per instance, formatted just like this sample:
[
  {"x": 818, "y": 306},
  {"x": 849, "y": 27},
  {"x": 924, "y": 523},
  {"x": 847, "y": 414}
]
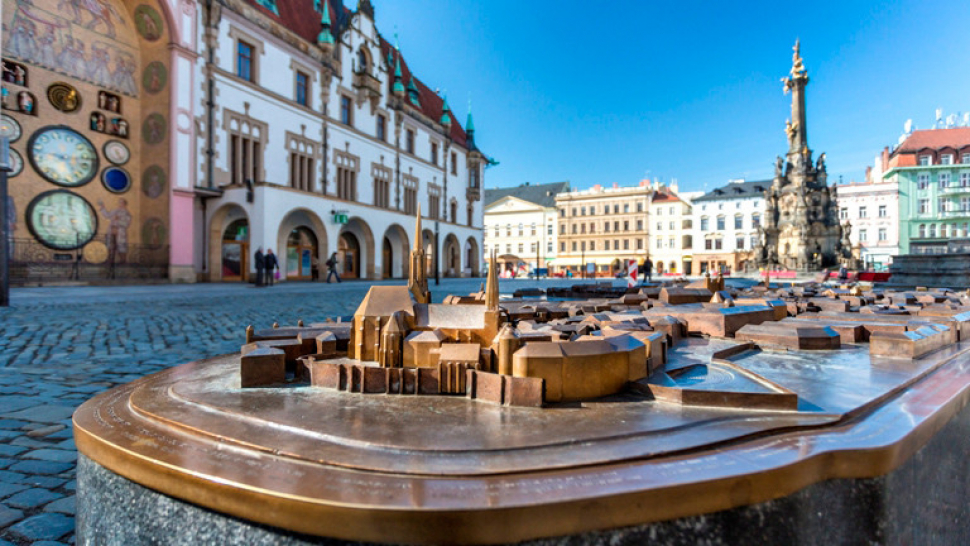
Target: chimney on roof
[
  {"x": 616, "y": 185},
  {"x": 868, "y": 174},
  {"x": 885, "y": 158},
  {"x": 644, "y": 182},
  {"x": 597, "y": 187}
]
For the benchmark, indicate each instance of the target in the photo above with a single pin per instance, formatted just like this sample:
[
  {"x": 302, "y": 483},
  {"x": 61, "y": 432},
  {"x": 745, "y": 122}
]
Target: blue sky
[{"x": 603, "y": 92}]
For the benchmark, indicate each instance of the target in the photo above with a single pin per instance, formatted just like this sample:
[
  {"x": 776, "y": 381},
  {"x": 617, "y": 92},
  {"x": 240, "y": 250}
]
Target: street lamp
[{"x": 4, "y": 224}]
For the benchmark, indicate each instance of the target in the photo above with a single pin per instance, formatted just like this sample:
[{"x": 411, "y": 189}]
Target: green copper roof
[
  {"x": 325, "y": 36},
  {"x": 398, "y": 86},
  {"x": 445, "y": 111},
  {"x": 413, "y": 92},
  {"x": 470, "y": 124}
]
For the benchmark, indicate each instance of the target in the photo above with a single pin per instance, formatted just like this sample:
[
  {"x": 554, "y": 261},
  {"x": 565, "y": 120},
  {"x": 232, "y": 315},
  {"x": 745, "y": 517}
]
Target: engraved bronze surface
[{"x": 429, "y": 470}]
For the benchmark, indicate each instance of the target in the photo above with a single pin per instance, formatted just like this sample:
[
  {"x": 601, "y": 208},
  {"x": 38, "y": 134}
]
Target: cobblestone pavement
[{"x": 61, "y": 346}]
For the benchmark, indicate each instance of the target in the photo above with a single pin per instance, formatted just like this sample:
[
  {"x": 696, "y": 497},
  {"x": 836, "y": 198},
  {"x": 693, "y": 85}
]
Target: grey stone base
[
  {"x": 925, "y": 501},
  {"x": 930, "y": 270}
]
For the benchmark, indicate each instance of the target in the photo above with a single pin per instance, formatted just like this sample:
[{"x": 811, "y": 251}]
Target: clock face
[
  {"x": 63, "y": 156},
  {"x": 16, "y": 163},
  {"x": 62, "y": 220},
  {"x": 9, "y": 128},
  {"x": 116, "y": 152}
]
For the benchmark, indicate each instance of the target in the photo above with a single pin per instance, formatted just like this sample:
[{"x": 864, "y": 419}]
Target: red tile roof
[
  {"x": 662, "y": 196},
  {"x": 934, "y": 139},
  {"x": 300, "y": 17},
  {"x": 431, "y": 104}
]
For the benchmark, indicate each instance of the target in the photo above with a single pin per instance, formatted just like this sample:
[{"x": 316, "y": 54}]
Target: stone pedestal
[
  {"x": 924, "y": 501},
  {"x": 931, "y": 270}
]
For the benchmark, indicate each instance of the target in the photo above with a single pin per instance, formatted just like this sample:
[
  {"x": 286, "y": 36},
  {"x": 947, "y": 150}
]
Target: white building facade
[
  {"x": 520, "y": 225},
  {"x": 725, "y": 225},
  {"x": 672, "y": 234},
  {"x": 317, "y": 139},
  {"x": 872, "y": 209}
]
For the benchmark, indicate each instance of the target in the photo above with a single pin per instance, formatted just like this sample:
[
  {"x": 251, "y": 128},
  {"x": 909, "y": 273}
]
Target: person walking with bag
[
  {"x": 332, "y": 268},
  {"x": 271, "y": 265},
  {"x": 260, "y": 266}
]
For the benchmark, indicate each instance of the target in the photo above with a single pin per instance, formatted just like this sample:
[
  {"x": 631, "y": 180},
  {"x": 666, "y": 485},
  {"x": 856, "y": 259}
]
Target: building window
[
  {"x": 302, "y": 163},
  {"x": 574, "y": 246},
  {"x": 496, "y": 231},
  {"x": 639, "y": 244},
  {"x": 923, "y": 181},
  {"x": 245, "y": 148},
  {"x": 409, "y": 141},
  {"x": 924, "y": 206},
  {"x": 755, "y": 220},
  {"x": 434, "y": 153},
  {"x": 946, "y": 159},
  {"x": 673, "y": 225},
  {"x": 862, "y": 235},
  {"x": 434, "y": 202},
  {"x": 562, "y": 247},
  {"x": 410, "y": 184},
  {"x": 739, "y": 223},
  {"x": 574, "y": 211},
  {"x": 964, "y": 180},
  {"x": 302, "y": 88},
  {"x": 562, "y": 229},
  {"x": 592, "y": 245},
  {"x": 943, "y": 230},
  {"x": 942, "y": 205},
  {"x": 626, "y": 244},
  {"x": 863, "y": 213},
  {"x": 549, "y": 229},
  {"x": 932, "y": 231},
  {"x": 508, "y": 249},
  {"x": 626, "y": 225},
  {"x": 660, "y": 226},
  {"x": 382, "y": 185},
  {"x": 720, "y": 223},
  {"x": 533, "y": 229},
  {"x": 592, "y": 210},
  {"x": 345, "y": 110},
  {"x": 922, "y": 231},
  {"x": 582, "y": 228},
  {"x": 454, "y": 163},
  {"x": 606, "y": 227},
  {"x": 549, "y": 247},
  {"x": 381, "y": 128},
  {"x": 244, "y": 61},
  {"x": 521, "y": 230},
  {"x": 606, "y": 244},
  {"x": 883, "y": 211},
  {"x": 616, "y": 226},
  {"x": 575, "y": 229},
  {"x": 639, "y": 207},
  {"x": 639, "y": 225},
  {"x": 944, "y": 180},
  {"x": 562, "y": 213},
  {"x": 616, "y": 209},
  {"x": 718, "y": 244},
  {"x": 626, "y": 207},
  {"x": 965, "y": 159},
  {"x": 708, "y": 244},
  {"x": 754, "y": 241},
  {"x": 843, "y": 213},
  {"x": 592, "y": 227},
  {"x": 671, "y": 243},
  {"x": 704, "y": 223},
  {"x": 473, "y": 174},
  {"x": 740, "y": 243},
  {"x": 521, "y": 248},
  {"x": 659, "y": 243},
  {"x": 924, "y": 160}
]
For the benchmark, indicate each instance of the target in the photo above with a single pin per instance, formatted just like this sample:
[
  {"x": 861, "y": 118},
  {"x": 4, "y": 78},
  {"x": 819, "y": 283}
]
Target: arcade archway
[{"x": 395, "y": 250}]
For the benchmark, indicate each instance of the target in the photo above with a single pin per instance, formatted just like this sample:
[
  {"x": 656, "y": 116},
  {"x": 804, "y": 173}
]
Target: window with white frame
[
  {"x": 883, "y": 211},
  {"x": 247, "y": 140},
  {"x": 704, "y": 223},
  {"x": 434, "y": 203},
  {"x": 347, "y": 168},
  {"x": 659, "y": 243},
  {"x": 942, "y": 205},
  {"x": 922, "y": 181},
  {"x": 720, "y": 223},
  {"x": 755, "y": 220},
  {"x": 739, "y": 223},
  {"x": 924, "y": 160},
  {"x": 671, "y": 243},
  {"x": 964, "y": 180},
  {"x": 946, "y": 159},
  {"x": 965, "y": 159},
  {"x": 922, "y": 231},
  {"x": 862, "y": 235},
  {"x": 923, "y": 206},
  {"x": 410, "y": 186},
  {"x": 660, "y": 226},
  {"x": 943, "y": 179},
  {"x": 302, "y": 152},
  {"x": 844, "y": 213},
  {"x": 863, "y": 213},
  {"x": 346, "y": 110},
  {"x": 740, "y": 243},
  {"x": 883, "y": 235},
  {"x": 932, "y": 231},
  {"x": 673, "y": 226},
  {"x": 382, "y": 185}
]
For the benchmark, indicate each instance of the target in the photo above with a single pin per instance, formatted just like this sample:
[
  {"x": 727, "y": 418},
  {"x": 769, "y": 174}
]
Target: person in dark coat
[
  {"x": 332, "y": 268},
  {"x": 271, "y": 265},
  {"x": 647, "y": 269},
  {"x": 260, "y": 266}
]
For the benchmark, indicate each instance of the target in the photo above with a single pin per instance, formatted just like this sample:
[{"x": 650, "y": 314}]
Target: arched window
[
  {"x": 943, "y": 230},
  {"x": 363, "y": 64},
  {"x": 932, "y": 231},
  {"x": 922, "y": 231}
]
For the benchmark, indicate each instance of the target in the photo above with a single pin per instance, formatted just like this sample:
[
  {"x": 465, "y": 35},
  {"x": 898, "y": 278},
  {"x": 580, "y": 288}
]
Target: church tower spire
[
  {"x": 491, "y": 284},
  {"x": 418, "y": 274}
]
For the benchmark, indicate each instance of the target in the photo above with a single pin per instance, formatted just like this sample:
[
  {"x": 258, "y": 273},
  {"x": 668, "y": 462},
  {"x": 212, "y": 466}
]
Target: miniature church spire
[
  {"x": 325, "y": 38},
  {"x": 417, "y": 276},
  {"x": 491, "y": 284}
]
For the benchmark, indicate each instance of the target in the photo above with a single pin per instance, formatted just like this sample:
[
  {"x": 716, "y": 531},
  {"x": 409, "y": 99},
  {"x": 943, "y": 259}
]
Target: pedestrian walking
[
  {"x": 260, "y": 266},
  {"x": 332, "y": 268},
  {"x": 647, "y": 269},
  {"x": 272, "y": 266}
]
